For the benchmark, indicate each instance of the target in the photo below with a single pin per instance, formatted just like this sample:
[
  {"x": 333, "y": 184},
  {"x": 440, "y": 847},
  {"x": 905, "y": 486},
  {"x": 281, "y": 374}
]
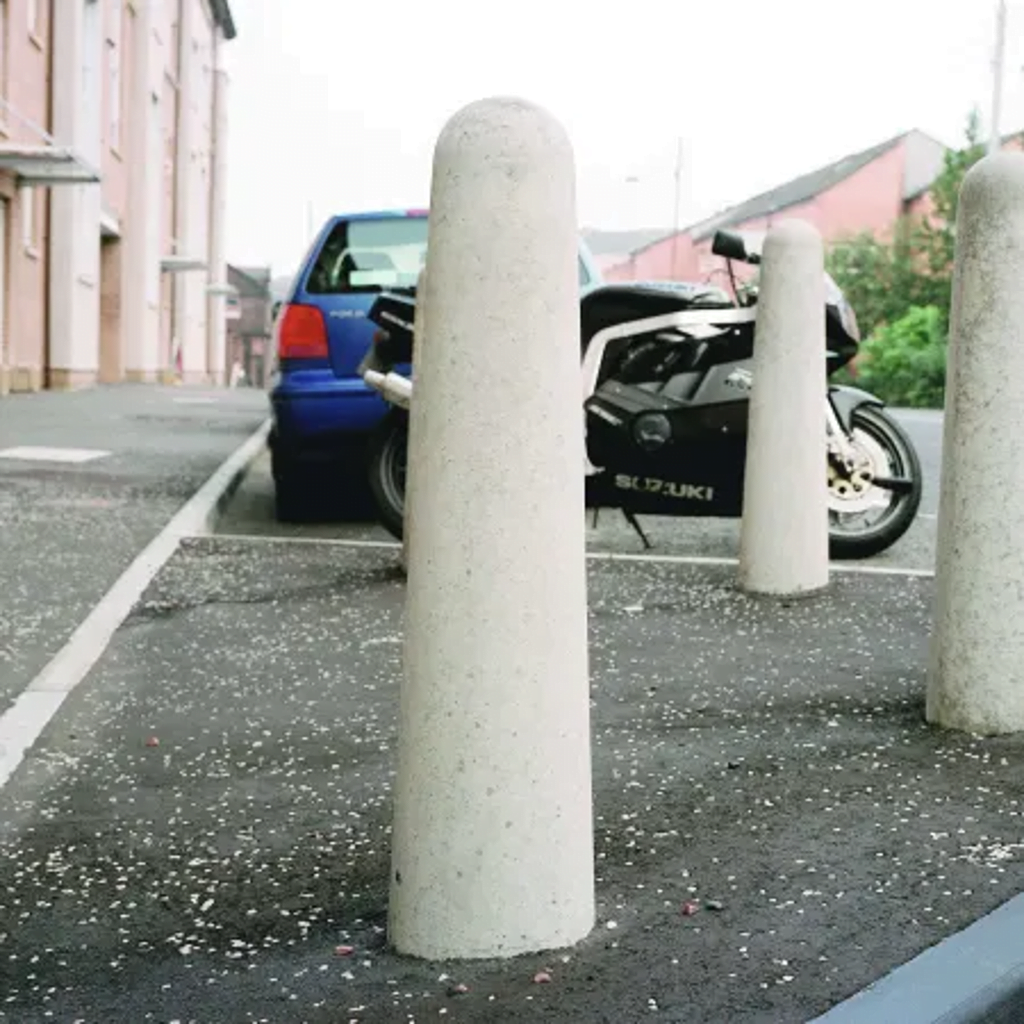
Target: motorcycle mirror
[{"x": 730, "y": 245}]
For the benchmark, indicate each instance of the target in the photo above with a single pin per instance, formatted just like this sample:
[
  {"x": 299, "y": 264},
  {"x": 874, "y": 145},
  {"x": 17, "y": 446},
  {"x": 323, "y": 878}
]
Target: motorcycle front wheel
[{"x": 865, "y": 519}]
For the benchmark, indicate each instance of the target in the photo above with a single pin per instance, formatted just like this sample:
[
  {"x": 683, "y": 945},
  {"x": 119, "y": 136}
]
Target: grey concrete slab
[
  {"x": 67, "y": 530},
  {"x": 203, "y": 830},
  {"x": 252, "y": 512}
]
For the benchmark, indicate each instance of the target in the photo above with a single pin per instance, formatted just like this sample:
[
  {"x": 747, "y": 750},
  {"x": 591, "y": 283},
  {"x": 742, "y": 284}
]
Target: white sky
[{"x": 337, "y": 104}]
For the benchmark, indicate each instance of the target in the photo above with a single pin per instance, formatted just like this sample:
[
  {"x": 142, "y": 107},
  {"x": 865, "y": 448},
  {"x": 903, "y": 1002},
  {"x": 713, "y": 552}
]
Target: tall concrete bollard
[
  {"x": 784, "y": 530},
  {"x": 493, "y": 830},
  {"x": 418, "y": 330},
  {"x": 977, "y": 645}
]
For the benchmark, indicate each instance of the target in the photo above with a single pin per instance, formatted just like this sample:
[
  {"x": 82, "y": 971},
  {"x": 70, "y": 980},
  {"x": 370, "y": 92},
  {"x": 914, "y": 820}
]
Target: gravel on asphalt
[{"x": 202, "y": 835}]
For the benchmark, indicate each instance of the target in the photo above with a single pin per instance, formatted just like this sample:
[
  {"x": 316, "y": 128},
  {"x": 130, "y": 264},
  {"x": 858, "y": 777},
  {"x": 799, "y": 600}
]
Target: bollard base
[
  {"x": 785, "y": 597},
  {"x": 951, "y": 715},
  {"x": 431, "y": 951}
]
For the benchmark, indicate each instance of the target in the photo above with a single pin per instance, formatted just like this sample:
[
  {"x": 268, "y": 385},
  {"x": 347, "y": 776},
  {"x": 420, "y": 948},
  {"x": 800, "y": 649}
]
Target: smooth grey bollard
[
  {"x": 784, "y": 529},
  {"x": 976, "y": 678},
  {"x": 493, "y": 830}
]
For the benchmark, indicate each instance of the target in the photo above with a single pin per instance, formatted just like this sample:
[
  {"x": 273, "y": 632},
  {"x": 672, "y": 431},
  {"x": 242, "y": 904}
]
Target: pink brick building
[
  {"x": 112, "y": 121},
  {"x": 866, "y": 191}
]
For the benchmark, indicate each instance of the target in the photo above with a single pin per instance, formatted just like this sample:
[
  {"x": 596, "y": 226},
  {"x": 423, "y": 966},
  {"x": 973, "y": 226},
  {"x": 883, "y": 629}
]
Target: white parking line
[
  {"x": 597, "y": 556},
  {"x": 42, "y": 453},
  {"x": 344, "y": 542},
  {"x": 23, "y": 722}
]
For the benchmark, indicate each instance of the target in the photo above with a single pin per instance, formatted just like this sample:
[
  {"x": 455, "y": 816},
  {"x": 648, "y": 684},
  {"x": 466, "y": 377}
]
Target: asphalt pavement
[
  {"x": 201, "y": 833},
  {"x": 68, "y": 529}
]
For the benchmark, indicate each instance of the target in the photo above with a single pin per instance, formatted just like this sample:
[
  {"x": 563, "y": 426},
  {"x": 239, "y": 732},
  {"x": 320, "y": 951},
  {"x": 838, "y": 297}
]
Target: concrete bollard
[
  {"x": 784, "y": 529},
  {"x": 418, "y": 329},
  {"x": 977, "y": 644},
  {"x": 493, "y": 831}
]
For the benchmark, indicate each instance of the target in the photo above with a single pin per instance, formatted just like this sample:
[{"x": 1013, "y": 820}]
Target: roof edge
[
  {"x": 706, "y": 226},
  {"x": 924, "y": 190},
  {"x": 696, "y": 227}
]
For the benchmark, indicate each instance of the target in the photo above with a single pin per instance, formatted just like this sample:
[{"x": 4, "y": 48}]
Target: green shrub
[{"x": 904, "y": 362}]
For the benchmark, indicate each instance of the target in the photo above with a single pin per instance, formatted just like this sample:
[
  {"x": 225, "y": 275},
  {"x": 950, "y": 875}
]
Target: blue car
[{"x": 323, "y": 415}]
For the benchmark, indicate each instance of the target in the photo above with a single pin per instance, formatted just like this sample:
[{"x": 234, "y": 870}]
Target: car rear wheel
[
  {"x": 292, "y": 500},
  {"x": 293, "y": 495},
  {"x": 387, "y": 465}
]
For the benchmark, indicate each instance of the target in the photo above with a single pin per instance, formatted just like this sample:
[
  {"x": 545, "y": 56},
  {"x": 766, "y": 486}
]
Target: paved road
[
  {"x": 69, "y": 529},
  {"x": 252, "y": 513},
  {"x": 201, "y": 834},
  {"x": 207, "y": 820}
]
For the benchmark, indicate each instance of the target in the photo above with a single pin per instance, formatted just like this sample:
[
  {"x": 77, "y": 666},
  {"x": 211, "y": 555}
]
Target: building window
[{"x": 29, "y": 221}]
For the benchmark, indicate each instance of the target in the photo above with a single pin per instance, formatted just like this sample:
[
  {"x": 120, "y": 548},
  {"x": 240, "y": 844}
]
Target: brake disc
[{"x": 855, "y": 491}]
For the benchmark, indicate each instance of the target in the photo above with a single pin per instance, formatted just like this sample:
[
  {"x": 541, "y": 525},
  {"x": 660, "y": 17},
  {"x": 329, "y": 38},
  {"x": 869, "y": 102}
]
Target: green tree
[
  {"x": 934, "y": 237},
  {"x": 879, "y": 278},
  {"x": 883, "y": 279},
  {"x": 904, "y": 362}
]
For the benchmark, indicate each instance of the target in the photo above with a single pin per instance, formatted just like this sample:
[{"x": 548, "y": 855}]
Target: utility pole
[
  {"x": 998, "y": 61},
  {"x": 678, "y": 196}
]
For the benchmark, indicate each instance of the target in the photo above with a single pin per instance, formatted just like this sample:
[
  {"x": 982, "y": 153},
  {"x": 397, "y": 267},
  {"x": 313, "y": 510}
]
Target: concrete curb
[
  {"x": 200, "y": 514},
  {"x": 973, "y": 977},
  {"x": 23, "y": 722}
]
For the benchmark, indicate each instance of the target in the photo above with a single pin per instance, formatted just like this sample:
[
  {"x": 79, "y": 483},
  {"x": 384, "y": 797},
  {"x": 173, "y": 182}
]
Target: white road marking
[
  {"x": 23, "y": 722},
  {"x": 597, "y": 556},
  {"x": 345, "y": 542},
  {"x": 40, "y": 453}
]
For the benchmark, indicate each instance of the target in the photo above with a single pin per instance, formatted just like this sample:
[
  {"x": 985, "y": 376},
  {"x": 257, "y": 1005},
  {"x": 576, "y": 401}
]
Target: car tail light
[{"x": 301, "y": 333}]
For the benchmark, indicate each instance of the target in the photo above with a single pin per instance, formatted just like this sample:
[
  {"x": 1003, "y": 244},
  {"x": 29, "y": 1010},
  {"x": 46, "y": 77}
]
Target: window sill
[{"x": 36, "y": 41}]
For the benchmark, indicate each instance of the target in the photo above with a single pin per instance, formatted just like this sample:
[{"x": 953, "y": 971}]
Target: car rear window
[{"x": 368, "y": 255}]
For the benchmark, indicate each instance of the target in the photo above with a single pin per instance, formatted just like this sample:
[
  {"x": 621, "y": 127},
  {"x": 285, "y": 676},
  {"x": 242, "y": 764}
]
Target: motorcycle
[{"x": 666, "y": 377}]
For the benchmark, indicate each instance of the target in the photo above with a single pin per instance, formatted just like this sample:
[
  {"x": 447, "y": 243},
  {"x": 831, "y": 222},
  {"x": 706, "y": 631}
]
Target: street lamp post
[
  {"x": 675, "y": 211},
  {"x": 998, "y": 61},
  {"x": 677, "y": 202}
]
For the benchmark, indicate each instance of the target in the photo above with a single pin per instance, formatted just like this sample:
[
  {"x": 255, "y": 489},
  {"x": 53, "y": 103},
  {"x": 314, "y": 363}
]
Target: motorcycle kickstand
[{"x": 635, "y": 523}]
